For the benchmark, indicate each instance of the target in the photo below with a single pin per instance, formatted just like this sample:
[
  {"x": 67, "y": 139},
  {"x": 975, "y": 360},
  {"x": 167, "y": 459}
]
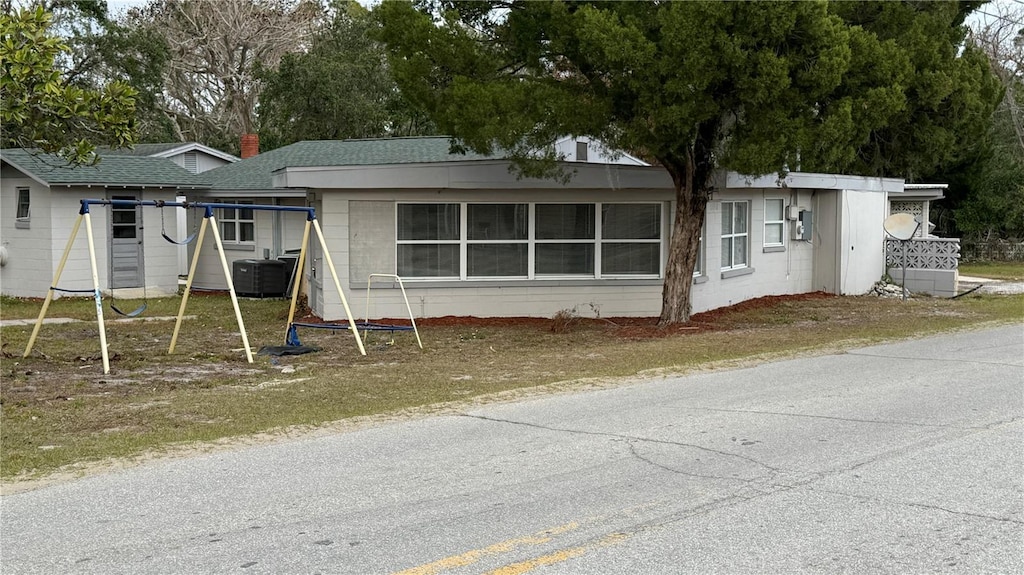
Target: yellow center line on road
[
  {"x": 470, "y": 557},
  {"x": 558, "y": 556}
]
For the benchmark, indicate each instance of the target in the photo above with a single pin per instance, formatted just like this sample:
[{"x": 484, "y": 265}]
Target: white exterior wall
[
  {"x": 371, "y": 236},
  {"x": 773, "y": 272},
  {"x": 862, "y": 240},
  {"x": 596, "y": 153},
  {"x": 850, "y": 243},
  {"x": 29, "y": 268},
  {"x": 204, "y": 162},
  {"x": 161, "y": 256},
  {"x": 35, "y": 252}
]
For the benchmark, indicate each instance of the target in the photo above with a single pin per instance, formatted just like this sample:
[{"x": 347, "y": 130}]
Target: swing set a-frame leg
[
  {"x": 297, "y": 282},
  {"x": 188, "y": 285},
  {"x": 210, "y": 220},
  {"x": 95, "y": 284}
]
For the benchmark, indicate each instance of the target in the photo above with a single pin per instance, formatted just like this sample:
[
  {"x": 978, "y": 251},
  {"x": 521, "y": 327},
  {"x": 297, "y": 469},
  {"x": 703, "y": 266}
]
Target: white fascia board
[
  {"x": 807, "y": 180},
  {"x": 468, "y": 175}
]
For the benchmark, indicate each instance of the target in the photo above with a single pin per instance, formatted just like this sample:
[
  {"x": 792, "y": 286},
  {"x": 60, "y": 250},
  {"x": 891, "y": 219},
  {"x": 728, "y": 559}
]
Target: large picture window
[
  {"x": 774, "y": 222},
  {"x": 735, "y": 237},
  {"x": 237, "y": 224},
  {"x": 528, "y": 241}
]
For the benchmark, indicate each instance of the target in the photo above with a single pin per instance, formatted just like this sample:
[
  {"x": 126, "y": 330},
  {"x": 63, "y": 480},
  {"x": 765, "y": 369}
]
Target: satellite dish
[{"x": 901, "y": 226}]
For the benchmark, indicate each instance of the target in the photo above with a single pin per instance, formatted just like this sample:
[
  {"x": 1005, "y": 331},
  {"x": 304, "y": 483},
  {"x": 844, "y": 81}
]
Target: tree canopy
[
  {"x": 755, "y": 87},
  {"x": 40, "y": 109},
  {"x": 340, "y": 88},
  {"x": 985, "y": 199},
  {"x": 210, "y": 88}
]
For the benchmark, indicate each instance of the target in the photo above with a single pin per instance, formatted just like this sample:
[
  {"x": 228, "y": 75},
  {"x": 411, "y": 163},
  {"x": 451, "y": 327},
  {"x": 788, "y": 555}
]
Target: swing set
[{"x": 208, "y": 221}]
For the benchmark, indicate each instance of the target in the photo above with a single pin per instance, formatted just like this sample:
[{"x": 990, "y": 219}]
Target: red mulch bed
[{"x": 625, "y": 327}]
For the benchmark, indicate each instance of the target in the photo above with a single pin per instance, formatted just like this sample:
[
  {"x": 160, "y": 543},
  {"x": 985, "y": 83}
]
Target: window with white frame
[
  {"x": 564, "y": 239},
  {"x": 429, "y": 238},
  {"x": 630, "y": 239},
  {"x": 774, "y": 222},
  {"x": 529, "y": 240},
  {"x": 23, "y": 212},
  {"x": 497, "y": 240},
  {"x": 237, "y": 225},
  {"x": 735, "y": 237}
]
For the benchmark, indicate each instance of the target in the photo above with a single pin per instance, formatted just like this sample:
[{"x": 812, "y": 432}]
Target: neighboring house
[
  {"x": 194, "y": 158},
  {"x": 40, "y": 198},
  {"x": 471, "y": 238}
]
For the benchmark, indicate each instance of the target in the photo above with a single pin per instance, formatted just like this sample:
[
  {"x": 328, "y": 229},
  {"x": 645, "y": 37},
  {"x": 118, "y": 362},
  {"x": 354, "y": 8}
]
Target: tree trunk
[{"x": 692, "y": 179}]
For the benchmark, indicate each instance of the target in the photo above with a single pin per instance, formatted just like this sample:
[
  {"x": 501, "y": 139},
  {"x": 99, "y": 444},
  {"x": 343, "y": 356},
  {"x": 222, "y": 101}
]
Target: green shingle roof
[
  {"x": 111, "y": 170},
  {"x": 255, "y": 173}
]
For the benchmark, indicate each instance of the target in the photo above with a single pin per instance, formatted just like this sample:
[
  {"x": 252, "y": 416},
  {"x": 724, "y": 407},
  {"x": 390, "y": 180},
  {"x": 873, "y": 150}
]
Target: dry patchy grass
[{"x": 59, "y": 409}]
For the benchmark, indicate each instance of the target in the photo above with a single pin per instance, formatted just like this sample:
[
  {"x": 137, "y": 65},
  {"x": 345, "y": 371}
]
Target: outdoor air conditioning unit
[{"x": 259, "y": 278}]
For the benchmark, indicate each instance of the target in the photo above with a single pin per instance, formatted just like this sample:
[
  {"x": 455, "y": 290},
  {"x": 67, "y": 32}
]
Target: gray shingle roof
[
  {"x": 111, "y": 170},
  {"x": 138, "y": 150},
  {"x": 255, "y": 173}
]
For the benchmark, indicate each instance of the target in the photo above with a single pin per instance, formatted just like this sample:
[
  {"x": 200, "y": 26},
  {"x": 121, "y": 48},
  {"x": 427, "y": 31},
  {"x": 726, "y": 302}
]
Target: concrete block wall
[{"x": 939, "y": 283}]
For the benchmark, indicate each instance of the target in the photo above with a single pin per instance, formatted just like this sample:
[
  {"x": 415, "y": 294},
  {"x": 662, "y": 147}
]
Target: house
[
  {"x": 40, "y": 197},
  {"x": 469, "y": 237}
]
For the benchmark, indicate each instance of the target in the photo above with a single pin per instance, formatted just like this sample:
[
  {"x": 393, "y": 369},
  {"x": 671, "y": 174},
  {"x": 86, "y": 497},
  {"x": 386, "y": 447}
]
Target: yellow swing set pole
[
  {"x": 56, "y": 280},
  {"x": 231, "y": 287},
  {"x": 188, "y": 285},
  {"x": 96, "y": 294},
  {"x": 297, "y": 283},
  {"x": 337, "y": 284}
]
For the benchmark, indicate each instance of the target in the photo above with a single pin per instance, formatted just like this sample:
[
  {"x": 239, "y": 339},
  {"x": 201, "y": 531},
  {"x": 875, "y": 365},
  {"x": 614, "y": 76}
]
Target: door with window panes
[{"x": 126, "y": 249}]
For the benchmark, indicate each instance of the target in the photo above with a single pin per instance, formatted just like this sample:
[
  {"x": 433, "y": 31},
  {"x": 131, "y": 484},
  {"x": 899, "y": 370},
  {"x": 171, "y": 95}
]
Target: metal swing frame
[{"x": 208, "y": 218}]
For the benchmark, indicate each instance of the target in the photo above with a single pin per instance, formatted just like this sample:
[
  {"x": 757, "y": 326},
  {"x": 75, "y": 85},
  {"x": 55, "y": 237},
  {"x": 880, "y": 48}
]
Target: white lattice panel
[{"x": 928, "y": 254}]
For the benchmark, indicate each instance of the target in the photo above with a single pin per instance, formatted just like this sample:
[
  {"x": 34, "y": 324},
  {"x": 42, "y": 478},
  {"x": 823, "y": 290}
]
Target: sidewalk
[{"x": 56, "y": 320}]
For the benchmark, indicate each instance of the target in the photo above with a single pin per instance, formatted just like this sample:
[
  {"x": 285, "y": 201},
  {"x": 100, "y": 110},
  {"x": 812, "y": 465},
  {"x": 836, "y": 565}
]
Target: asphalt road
[{"x": 901, "y": 458}]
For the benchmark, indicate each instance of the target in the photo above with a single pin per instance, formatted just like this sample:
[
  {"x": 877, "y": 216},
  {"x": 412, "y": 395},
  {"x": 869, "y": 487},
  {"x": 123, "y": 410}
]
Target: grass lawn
[
  {"x": 1012, "y": 271},
  {"x": 60, "y": 413}
]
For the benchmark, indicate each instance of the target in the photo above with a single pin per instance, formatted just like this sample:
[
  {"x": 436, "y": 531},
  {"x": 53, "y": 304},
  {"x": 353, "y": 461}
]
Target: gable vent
[{"x": 191, "y": 160}]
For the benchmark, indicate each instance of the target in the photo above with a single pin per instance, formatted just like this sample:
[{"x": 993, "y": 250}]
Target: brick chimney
[{"x": 250, "y": 145}]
